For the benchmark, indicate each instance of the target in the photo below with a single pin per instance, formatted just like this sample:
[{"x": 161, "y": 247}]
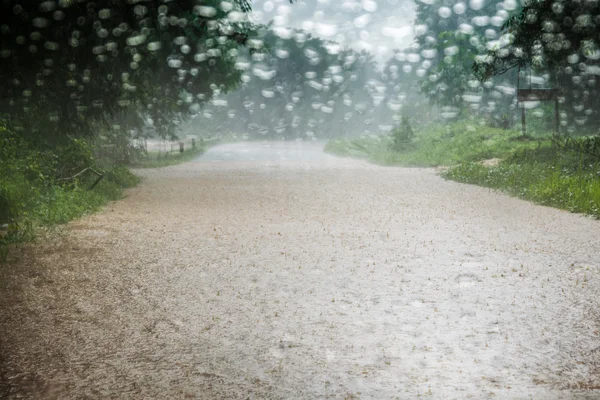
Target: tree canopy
[
  {"x": 68, "y": 65},
  {"x": 560, "y": 41},
  {"x": 450, "y": 37}
]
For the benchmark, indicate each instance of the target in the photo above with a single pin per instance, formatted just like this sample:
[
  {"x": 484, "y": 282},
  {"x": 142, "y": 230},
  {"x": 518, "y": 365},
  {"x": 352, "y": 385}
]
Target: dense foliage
[
  {"x": 558, "y": 40},
  {"x": 450, "y": 37},
  {"x": 80, "y": 78},
  {"x": 68, "y": 66},
  {"x": 38, "y": 187}
]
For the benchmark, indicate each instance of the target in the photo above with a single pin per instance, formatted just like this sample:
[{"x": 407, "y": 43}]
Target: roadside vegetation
[
  {"x": 435, "y": 145},
  {"x": 563, "y": 173},
  {"x": 45, "y": 188},
  {"x": 560, "y": 170},
  {"x": 80, "y": 81},
  {"x": 550, "y": 175},
  {"x": 158, "y": 159},
  {"x": 41, "y": 189}
]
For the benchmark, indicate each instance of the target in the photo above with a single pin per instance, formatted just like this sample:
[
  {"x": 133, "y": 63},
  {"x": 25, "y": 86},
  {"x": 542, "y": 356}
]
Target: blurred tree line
[{"x": 301, "y": 86}]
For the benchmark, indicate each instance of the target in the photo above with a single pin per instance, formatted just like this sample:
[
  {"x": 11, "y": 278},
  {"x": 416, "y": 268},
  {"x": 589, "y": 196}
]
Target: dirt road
[{"x": 272, "y": 271}]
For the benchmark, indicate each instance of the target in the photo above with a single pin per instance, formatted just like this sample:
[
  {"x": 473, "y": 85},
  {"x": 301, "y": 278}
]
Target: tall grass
[{"x": 35, "y": 204}]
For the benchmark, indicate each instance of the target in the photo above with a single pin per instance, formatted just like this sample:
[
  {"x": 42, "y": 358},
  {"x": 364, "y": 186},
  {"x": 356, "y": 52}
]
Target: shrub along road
[{"x": 294, "y": 274}]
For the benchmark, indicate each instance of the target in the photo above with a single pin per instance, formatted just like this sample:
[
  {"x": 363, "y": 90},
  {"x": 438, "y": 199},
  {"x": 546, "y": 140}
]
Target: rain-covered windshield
[{"x": 275, "y": 199}]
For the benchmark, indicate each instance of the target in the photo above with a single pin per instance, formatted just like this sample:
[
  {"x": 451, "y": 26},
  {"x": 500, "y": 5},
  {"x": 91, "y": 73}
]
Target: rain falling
[{"x": 306, "y": 199}]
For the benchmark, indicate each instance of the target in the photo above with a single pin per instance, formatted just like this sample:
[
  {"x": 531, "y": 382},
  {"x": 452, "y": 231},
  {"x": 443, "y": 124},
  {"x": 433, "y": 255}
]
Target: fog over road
[{"x": 275, "y": 271}]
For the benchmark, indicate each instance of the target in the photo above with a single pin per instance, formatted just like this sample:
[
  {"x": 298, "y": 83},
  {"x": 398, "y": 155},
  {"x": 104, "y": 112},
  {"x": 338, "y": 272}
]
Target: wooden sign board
[{"x": 537, "y": 94}]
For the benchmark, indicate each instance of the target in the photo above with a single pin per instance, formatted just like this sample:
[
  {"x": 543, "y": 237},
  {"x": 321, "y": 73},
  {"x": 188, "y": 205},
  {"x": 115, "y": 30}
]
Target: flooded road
[{"x": 274, "y": 271}]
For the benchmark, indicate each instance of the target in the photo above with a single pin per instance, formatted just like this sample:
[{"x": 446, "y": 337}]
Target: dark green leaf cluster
[
  {"x": 68, "y": 66},
  {"x": 402, "y": 136}
]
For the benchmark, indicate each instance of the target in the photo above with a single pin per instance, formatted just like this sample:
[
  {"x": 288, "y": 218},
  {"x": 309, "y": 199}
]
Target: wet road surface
[{"x": 274, "y": 271}]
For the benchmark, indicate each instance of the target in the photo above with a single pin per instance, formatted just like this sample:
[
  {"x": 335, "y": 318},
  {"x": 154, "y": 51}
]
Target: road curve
[{"x": 273, "y": 271}]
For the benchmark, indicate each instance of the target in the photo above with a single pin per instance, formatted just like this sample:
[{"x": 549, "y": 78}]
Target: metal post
[
  {"x": 556, "y": 118},
  {"x": 523, "y": 122}
]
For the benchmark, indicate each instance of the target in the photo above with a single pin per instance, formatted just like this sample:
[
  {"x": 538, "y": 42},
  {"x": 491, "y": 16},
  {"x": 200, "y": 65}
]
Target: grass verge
[
  {"x": 157, "y": 159},
  {"x": 547, "y": 176},
  {"x": 42, "y": 188},
  {"x": 38, "y": 204},
  {"x": 530, "y": 168},
  {"x": 437, "y": 145}
]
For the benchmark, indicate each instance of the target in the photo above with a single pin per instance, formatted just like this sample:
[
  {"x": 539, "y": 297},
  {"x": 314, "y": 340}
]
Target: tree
[
  {"x": 402, "y": 136},
  {"x": 451, "y": 36},
  {"x": 67, "y": 66},
  {"x": 403, "y": 79},
  {"x": 560, "y": 39}
]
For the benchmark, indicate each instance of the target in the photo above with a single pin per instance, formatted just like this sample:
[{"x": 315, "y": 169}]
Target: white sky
[{"x": 378, "y": 26}]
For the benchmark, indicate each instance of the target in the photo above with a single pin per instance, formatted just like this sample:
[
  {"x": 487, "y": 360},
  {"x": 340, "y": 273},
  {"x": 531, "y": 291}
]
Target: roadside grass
[
  {"x": 36, "y": 205},
  {"x": 43, "y": 187},
  {"x": 437, "y": 145},
  {"x": 35, "y": 196},
  {"x": 41, "y": 190},
  {"x": 547, "y": 176},
  {"x": 530, "y": 168},
  {"x": 157, "y": 159}
]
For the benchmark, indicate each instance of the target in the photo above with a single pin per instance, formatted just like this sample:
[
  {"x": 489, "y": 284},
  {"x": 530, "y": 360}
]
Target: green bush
[
  {"x": 402, "y": 136},
  {"x": 72, "y": 158},
  {"x": 121, "y": 176},
  {"x": 37, "y": 187},
  {"x": 16, "y": 197}
]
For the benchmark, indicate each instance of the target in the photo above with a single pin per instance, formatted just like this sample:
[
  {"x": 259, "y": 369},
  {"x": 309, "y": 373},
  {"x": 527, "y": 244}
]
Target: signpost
[{"x": 524, "y": 95}]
